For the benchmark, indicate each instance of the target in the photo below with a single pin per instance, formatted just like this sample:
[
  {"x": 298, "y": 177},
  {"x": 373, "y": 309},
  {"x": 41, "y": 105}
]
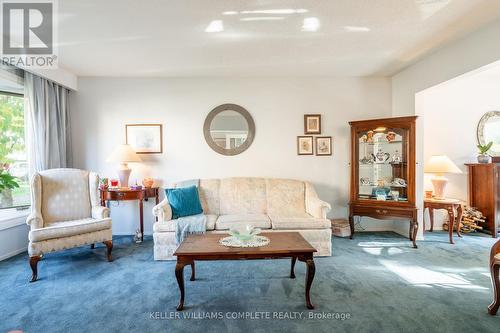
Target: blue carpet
[{"x": 376, "y": 279}]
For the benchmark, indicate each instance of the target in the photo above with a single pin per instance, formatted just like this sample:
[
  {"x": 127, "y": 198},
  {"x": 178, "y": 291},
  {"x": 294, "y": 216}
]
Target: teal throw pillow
[{"x": 184, "y": 201}]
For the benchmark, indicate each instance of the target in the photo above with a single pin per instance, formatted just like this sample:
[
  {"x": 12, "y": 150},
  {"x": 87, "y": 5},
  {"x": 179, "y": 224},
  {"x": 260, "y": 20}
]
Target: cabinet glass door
[{"x": 383, "y": 164}]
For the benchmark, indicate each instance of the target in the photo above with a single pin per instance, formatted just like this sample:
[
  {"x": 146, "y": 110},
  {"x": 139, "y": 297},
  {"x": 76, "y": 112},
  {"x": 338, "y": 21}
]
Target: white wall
[
  {"x": 13, "y": 233},
  {"x": 102, "y": 106},
  {"x": 451, "y": 112},
  {"x": 474, "y": 51}
]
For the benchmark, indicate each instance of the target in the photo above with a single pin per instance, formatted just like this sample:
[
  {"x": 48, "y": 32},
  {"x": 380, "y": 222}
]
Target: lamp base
[
  {"x": 439, "y": 184},
  {"x": 124, "y": 174}
]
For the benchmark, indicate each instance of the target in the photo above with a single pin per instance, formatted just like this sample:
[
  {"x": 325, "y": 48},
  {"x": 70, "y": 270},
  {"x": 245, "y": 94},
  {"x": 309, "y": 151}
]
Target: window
[{"x": 14, "y": 171}]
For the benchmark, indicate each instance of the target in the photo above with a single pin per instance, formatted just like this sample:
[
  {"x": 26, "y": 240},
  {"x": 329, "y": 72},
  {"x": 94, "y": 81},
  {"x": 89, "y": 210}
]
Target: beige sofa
[{"x": 274, "y": 205}]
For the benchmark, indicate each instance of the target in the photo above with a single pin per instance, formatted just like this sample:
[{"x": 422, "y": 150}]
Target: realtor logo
[{"x": 28, "y": 31}]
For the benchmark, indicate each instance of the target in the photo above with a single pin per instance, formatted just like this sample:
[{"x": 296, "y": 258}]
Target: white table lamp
[
  {"x": 124, "y": 154},
  {"x": 439, "y": 165}
]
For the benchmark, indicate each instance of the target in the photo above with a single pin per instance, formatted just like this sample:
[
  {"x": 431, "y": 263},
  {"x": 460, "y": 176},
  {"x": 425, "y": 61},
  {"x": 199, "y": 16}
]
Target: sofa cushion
[
  {"x": 169, "y": 226},
  {"x": 209, "y": 195},
  {"x": 299, "y": 223},
  {"x": 184, "y": 201},
  {"x": 242, "y": 196},
  {"x": 69, "y": 228},
  {"x": 285, "y": 197},
  {"x": 226, "y": 222}
]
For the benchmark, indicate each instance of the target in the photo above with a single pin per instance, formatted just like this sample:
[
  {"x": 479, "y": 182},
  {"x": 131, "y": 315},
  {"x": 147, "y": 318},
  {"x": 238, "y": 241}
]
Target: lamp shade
[
  {"x": 123, "y": 154},
  {"x": 440, "y": 164}
]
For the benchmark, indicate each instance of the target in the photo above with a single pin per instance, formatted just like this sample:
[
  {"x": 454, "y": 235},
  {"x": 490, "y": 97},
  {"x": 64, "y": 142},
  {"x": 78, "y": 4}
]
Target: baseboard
[
  {"x": 129, "y": 234},
  {"x": 13, "y": 253},
  {"x": 374, "y": 229}
]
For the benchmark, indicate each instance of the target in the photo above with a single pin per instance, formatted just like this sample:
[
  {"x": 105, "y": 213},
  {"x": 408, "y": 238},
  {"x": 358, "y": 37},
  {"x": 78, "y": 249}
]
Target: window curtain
[{"x": 47, "y": 124}]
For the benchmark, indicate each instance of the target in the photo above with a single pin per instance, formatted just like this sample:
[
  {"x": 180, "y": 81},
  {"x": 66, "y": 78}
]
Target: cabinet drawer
[
  {"x": 150, "y": 192},
  {"x": 115, "y": 195},
  {"x": 383, "y": 212}
]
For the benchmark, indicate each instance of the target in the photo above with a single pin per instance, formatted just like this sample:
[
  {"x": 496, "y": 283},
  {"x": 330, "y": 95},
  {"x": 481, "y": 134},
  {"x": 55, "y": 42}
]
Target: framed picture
[
  {"x": 304, "y": 145},
  {"x": 145, "y": 138},
  {"x": 312, "y": 124},
  {"x": 323, "y": 145}
]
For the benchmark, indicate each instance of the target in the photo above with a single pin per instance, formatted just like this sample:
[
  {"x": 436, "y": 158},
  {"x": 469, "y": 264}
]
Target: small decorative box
[{"x": 341, "y": 228}]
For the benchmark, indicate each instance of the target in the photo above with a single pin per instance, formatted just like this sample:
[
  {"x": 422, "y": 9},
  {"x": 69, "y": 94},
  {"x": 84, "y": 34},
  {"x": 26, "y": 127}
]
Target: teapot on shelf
[{"x": 381, "y": 157}]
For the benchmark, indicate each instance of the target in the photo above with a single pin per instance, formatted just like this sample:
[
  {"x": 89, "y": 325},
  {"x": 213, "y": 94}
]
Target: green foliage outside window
[{"x": 14, "y": 188}]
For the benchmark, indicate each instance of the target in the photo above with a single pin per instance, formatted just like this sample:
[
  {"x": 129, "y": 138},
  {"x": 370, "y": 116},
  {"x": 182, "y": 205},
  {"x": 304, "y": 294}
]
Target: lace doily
[{"x": 257, "y": 241}]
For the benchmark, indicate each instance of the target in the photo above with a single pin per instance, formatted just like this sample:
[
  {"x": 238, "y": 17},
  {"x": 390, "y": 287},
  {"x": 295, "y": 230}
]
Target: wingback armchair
[
  {"x": 65, "y": 213},
  {"x": 495, "y": 278}
]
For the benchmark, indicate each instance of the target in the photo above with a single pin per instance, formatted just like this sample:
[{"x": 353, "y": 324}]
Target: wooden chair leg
[
  {"x": 34, "y": 267},
  {"x": 109, "y": 248},
  {"x": 495, "y": 279}
]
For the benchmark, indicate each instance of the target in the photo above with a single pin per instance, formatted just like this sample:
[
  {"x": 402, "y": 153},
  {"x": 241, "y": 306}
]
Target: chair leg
[
  {"x": 34, "y": 267},
  {"x": 109, "y": 247},
  {"x": 495, "y": 279}
]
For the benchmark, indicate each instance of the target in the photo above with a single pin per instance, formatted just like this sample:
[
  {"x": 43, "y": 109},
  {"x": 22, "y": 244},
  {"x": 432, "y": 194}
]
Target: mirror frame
[
  {"x": 251, "y": 129},
  {"x": 480, "y": 131}
]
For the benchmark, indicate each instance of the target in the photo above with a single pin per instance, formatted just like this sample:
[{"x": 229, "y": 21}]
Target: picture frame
[
  {"x": 323, "y": 146},
  {"x": 145, "y": 138},
  {"x": 312, "y": 124},
  {"x": 305, "y": 145}
]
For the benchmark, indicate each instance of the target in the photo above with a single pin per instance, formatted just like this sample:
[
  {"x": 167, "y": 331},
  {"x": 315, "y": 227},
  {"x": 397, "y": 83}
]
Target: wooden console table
[
  {"x": 125, "y": 193},
  {"x": 450, "y": 205}
]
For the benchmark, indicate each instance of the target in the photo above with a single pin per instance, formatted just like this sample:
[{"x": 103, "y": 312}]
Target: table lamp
[
  {"x": 439, "y": 165},
  {"x": 123, "y": 154}
]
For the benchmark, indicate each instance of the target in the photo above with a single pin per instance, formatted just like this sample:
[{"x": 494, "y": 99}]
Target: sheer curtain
[{"x": 47, "y": 124}]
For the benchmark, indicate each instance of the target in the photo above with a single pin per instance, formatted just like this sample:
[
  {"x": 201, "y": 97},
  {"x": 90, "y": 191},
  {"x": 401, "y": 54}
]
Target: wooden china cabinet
[{"x": 383, "y": 171}]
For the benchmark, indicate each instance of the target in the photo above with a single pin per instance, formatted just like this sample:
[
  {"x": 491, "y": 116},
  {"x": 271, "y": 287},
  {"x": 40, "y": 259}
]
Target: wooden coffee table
[{"x": 206, "y": 247}]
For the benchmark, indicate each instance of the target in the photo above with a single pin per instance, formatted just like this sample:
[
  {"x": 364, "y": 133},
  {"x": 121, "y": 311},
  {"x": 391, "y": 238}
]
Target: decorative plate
[{"x": 232, "y": 241}]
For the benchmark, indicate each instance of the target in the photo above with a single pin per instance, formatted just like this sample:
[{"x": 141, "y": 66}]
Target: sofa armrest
[
  {"x": 314, "y": 205},
  {"x": 163, "y": 211},
  {"x": 317, "y": 208},
  {"x": 100, "y": 212},
  {"x": 34, "y": 220}
]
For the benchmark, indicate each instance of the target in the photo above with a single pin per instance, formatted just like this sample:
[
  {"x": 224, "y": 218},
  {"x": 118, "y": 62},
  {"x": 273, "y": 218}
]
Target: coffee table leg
[
  {"x": 292, "y": 270},
  {"x": 311, "y": 269},
  {"x": 179, "y": 274},
  {"x": 192, "y": 272}
]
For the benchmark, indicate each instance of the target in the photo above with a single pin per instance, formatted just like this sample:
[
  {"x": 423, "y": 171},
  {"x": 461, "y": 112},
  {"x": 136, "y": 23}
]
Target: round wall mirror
[
  {"x": 488, "y": 130},
  {"x": 229, "y": 129}
]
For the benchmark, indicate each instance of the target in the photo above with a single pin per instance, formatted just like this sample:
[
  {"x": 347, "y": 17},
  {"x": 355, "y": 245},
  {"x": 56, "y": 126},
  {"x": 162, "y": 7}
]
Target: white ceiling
[{"x": 156, "y": 38}]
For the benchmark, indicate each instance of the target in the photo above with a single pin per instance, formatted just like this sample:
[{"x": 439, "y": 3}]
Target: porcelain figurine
[
  {"x": 369, "y": 136},
  {"x": 396, "y": 158}
]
